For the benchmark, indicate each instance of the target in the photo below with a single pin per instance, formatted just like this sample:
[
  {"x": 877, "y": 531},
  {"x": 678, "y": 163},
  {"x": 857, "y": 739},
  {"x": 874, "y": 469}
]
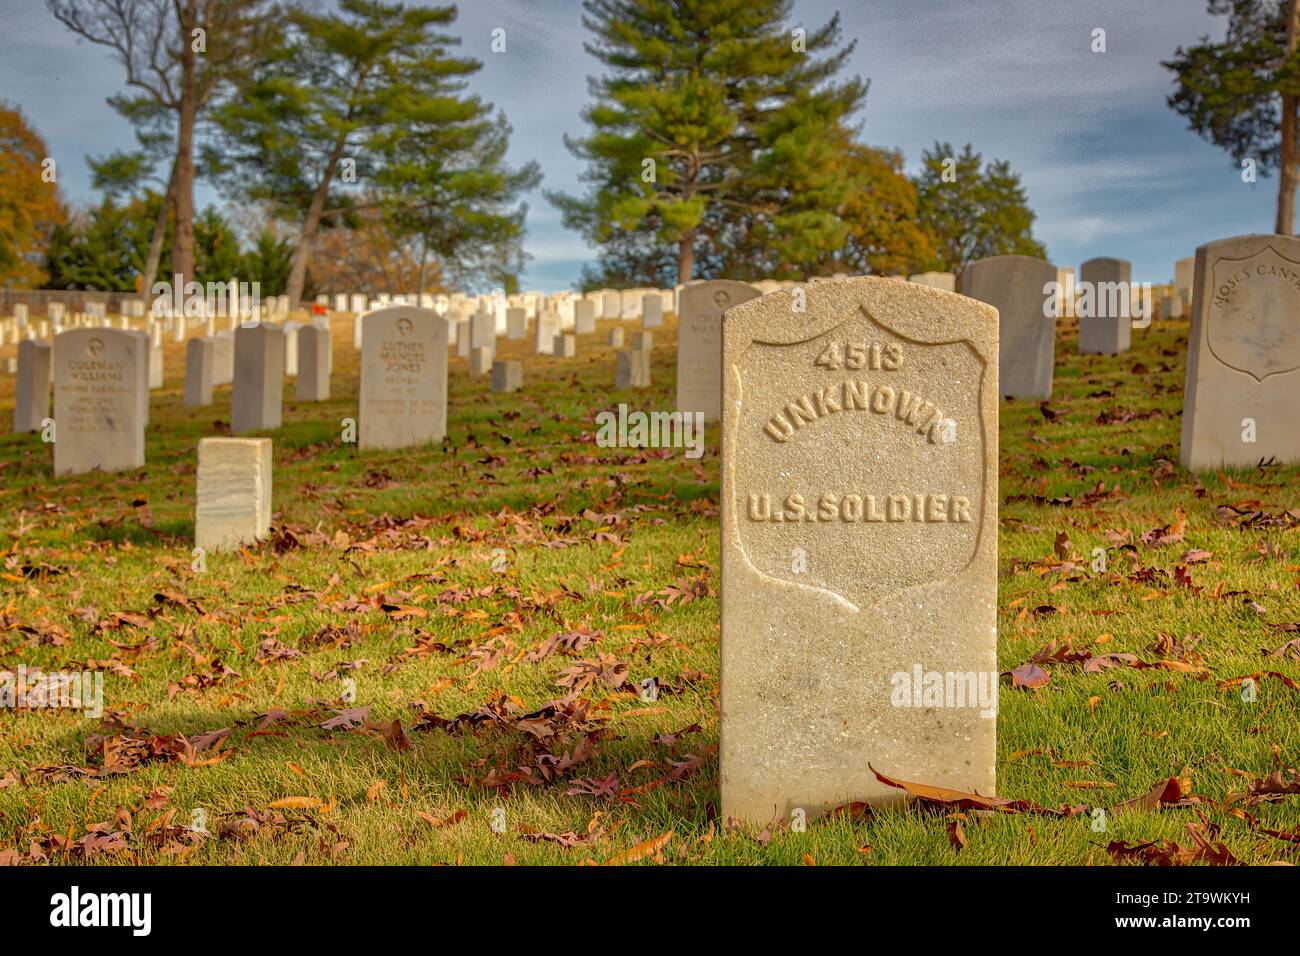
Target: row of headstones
[
  {"x": 1105, "y": 298},
  {"x": 859, "y": 507}
]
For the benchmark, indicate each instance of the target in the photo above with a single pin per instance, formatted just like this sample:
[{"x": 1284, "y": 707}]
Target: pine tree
[
  {"x": 370, "y": 100},
  {"x": 1242, "y": 94},
  {"x": 972, "y": 210},
  {"x": 710, "y": 133}
]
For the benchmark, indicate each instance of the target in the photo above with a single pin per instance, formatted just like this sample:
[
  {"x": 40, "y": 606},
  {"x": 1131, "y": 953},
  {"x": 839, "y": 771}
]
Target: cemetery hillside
[{"x": 387, "y": 481}]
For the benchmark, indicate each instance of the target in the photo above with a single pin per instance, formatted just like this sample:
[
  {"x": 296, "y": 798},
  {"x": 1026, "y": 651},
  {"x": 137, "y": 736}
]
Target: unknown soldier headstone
[
  {"x": 1241, "y": 404},
  {"x": 233, "y": 500},
  {"x": 859, "y": 546},
  {"x": 99, "y": 395},
  {"x": 1106, "y": 306},
  {"x": 257, "y": 395},
  {"x": 699, "y": 343},
  {"x": 1017, "y": 286},
  {"x": 403, "y": 378}
]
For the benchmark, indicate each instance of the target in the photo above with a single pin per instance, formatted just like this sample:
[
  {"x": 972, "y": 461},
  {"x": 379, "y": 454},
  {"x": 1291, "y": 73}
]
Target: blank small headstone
[
  {"x": 291, "y": 348},
  {"x": 643, "y": 341},
  {"x": 616, "y": 337},
  {"x": 483, "y": 331},
  {"x": 200, "y": 356},
  {"x": 632, "y": 369},
  {"x": 258, "y": 390},
  {"x": 233, "y": 493},
  {"x": 314, "y": 347},
  {"x": 566, "y": 346},
  {"x": 1014, "y": 285},
  {"x": 480, "y": 360},
  {"x": 32, "y": 395},
  {"x": 507, "y": 376}
]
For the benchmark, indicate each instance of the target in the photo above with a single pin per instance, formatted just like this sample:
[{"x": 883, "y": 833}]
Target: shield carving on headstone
[{"x": 1254, "y": 313}]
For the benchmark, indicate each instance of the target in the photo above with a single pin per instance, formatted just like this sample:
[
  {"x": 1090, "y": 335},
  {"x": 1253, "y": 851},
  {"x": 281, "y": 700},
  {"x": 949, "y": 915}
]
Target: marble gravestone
[
  {"x": 99, "y": 395},
  {"x": 943, "y": 281},
  {"x": 632, "y": 369},
  {"x": 233, "y": 499},
  {"x": 699, "y": 343},
  {"x": 545, "y": 329},
  {"x": 257, "y": 394},
  {"x": 516, "y": 322},
  {"x": 859, "y": 495},
  {"x": 616, "y": 337},
  {"x": 314, "y": 360},
  {"x": 584, "y": 317},
  {"x": 483, "y": 331},
  {"x": 480, "y": 361},
  {"x": 1018, "y": 287},
  {"x": 1184, "y": 277},
  {"x": 199, "y": 355},
  {"x": 403, "y": 378},
  {"x": 1241, "y": 401},
  {"x": 507, "y": 376},
  {"x": 32, "y": 390},
  {"x": 565, "y": 346},
  {"x": 652, "y": 310},
  {"x": 1105, "y": 307}
]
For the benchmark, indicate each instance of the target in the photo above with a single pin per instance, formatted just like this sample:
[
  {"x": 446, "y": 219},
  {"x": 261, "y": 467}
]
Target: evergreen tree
[
  {"x": 972, "y": 210},
  {"x": 371, "y": 98},
  {"x": 1242, "y": 93},
  {"x": 710, "y": 134}
]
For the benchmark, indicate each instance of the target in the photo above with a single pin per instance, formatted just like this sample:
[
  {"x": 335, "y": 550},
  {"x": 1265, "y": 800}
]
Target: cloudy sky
[{"x": 1108, "y": 167}]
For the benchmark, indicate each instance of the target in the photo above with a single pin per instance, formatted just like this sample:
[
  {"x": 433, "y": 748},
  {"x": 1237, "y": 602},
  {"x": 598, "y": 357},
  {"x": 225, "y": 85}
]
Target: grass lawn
[{"x": 439, "y": 656}]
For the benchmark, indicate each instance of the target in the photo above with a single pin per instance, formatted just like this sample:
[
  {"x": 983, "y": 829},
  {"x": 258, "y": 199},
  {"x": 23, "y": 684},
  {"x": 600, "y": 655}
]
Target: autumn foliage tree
[{"x": 30, "y": 208}]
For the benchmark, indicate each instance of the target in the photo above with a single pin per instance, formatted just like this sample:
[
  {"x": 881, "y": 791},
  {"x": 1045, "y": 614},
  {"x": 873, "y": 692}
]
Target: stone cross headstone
[
  {"x": 699, "y": 343},
  {"x": 200, "y": 355},
  {"x": 314, "y": 361},
  {"x": 32, "y": 390},
  {"x": 257, "y": 394},
  {"x": 859, "y": 495},
  {"x": 1105, "y": 323},
  {"x": 1241, "y": 402},
  {"x": 1018, "y": 287},
  {"x": 99, "y": 398},
  {"x": 632, "y": 369},
  {"x": 403, "y": 378},
  {"x": 233, "y": 493}
]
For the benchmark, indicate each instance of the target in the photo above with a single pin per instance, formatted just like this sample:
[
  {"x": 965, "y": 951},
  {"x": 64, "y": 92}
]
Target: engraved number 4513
[{"x": 856, "y": 356}]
